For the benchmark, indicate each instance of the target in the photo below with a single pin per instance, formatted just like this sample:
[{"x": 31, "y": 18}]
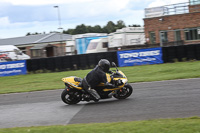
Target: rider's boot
[
  {"x": 111, "y": 94},
  {"x": 94, "y": 94}
]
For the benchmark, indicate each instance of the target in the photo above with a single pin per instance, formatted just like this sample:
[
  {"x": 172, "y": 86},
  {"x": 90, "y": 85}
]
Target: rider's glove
[{"x": 110, "y": 72}]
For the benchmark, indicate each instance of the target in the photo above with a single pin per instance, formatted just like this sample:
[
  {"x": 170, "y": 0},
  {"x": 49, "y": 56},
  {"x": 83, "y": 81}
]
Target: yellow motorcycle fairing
[
  {"x": 122, "y": 74},
  {"x": 119, "y": 87},
  {"x": 70, "y": 80},
  {"x": 108, "y": 79},
  {"x": 124, "y": 79}
]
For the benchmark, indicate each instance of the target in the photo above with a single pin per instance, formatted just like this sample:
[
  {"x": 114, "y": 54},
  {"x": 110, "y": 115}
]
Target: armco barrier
[{"x": 85, "y": 61}]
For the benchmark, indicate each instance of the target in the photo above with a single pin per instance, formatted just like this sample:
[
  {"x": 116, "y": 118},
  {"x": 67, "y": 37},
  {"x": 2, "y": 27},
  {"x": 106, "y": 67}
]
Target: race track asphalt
[{"x": 150, "y": 100}]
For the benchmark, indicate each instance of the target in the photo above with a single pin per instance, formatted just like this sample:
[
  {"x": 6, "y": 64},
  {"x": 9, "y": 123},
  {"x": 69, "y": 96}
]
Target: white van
[
  {"x": 98, "y": 45},
  {"x": 11, "y": 53}
]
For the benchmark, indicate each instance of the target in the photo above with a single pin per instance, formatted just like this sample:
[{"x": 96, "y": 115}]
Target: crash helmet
[{"x": 104, "y": 64}]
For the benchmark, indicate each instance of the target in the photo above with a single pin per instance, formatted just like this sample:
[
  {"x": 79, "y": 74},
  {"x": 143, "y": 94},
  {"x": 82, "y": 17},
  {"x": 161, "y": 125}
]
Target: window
[
  {"x": 177, "y": 35},
  {"x": 23, "y": 50},
  {"x": 192, "y": 34},
  {"x": 163, "y": 36},
  {"x": 105, "y": 44},
  {"x": 198, "y": 32},
  {"x": 92, "y": 45},
  {"x": 36, "y": 53},
  {"x": 152, "y": 37},
  {"x": 194, "y": 2},
  {"x": 17, "y": 52}
]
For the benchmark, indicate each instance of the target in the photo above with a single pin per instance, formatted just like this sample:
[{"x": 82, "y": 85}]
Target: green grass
[
  {"x": 44, "y": 81},
  {"x": 168, "y": 71},
  {"x": 47, "y": 81},
  {"x": 178, "y": 125},
  {"x": 35, "y": 82}
]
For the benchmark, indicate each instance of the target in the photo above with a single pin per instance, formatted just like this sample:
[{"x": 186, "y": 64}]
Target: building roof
[
  {"x": 41, "y": 46},
  {"x": 33, "y": 39}
]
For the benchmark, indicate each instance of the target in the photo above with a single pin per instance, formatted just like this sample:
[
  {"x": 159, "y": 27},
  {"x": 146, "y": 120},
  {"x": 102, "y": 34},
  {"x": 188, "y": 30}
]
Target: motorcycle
[{"x": 74, "y": 92}]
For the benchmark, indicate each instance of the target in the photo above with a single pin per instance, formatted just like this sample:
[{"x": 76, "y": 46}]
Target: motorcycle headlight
[{"x": 124, "y": 80}]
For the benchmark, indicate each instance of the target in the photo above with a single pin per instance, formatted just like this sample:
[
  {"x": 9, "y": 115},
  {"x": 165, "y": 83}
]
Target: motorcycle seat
[
  {"x": 80, "y": 84},
  {"x": 76, "y": 79}
]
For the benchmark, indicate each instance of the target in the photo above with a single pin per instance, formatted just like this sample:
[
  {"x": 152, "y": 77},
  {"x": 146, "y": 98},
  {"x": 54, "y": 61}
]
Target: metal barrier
[{"x": 172, "y": 9}]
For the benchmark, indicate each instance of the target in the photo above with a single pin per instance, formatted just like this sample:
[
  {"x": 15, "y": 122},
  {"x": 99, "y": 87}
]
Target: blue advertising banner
[
  {"x": 140, "y": 57},
  {"x": 12, "y": 68}
]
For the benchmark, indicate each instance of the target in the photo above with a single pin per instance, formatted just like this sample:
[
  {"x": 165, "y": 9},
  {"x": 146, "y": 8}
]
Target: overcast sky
[{"x": 18, "y": 17}]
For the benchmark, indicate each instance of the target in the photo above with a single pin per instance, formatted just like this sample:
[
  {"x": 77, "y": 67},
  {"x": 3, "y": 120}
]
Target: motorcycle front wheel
[
  {"x": 125, "y": 92},
  {"x": 70, "y": 97}
]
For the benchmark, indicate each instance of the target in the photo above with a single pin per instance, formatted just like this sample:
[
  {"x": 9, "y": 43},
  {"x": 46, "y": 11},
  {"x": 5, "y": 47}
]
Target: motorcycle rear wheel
[
  {"x": 125, "y": 92},
  {"x": 70, "y": 97}
]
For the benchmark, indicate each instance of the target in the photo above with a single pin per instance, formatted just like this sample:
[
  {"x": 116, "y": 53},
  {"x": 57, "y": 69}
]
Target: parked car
[{"x": 11, "y": 53}]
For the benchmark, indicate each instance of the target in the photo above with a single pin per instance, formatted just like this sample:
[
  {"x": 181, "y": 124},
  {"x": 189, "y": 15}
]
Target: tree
[
  {"x": 80, "y": 29},
  {"x": 134, "y": 25},
  {"x": 90, "y": 29},
  {"x": 69, "y": 31},
  {"x": 110, "y": 27},
  {"x": 36, "y": 33},
  {"x": 28, "y": 34},
  {"x": 120, "y": 24},
  {"x": 97, "y": 29}
]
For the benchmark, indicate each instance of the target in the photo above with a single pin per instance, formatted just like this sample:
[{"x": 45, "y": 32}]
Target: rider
[{"x": 96, "y": 76}]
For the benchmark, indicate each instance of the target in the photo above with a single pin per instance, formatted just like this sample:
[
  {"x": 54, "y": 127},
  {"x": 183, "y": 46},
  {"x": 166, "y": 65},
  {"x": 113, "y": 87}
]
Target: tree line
[{"x": 81, "y": 29}]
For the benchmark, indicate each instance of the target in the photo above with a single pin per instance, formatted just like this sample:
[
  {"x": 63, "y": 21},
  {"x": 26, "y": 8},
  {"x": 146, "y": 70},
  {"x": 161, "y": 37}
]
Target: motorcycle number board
[
  {"x": 12, "y": 68},
  {"x": 140, "y": 57}
]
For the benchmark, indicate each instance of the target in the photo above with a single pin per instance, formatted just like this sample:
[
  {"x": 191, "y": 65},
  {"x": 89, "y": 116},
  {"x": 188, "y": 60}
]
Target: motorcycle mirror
[{"x": 114, "y": 65}]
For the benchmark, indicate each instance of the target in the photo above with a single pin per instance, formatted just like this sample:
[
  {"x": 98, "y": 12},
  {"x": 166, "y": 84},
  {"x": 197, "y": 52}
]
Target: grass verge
[
  {"x": 47, "y": 81},
  {"x": 178, "y": 125}
]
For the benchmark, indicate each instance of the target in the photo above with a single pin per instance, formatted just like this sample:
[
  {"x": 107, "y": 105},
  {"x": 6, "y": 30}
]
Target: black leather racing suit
[{"x": 92, "y": 79}]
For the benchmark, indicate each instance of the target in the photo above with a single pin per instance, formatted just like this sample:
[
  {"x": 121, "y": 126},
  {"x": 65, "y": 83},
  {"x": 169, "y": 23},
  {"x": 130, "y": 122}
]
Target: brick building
[
  {"x": 41, "y": 45},
  {"x": 175, "y": 24}
]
